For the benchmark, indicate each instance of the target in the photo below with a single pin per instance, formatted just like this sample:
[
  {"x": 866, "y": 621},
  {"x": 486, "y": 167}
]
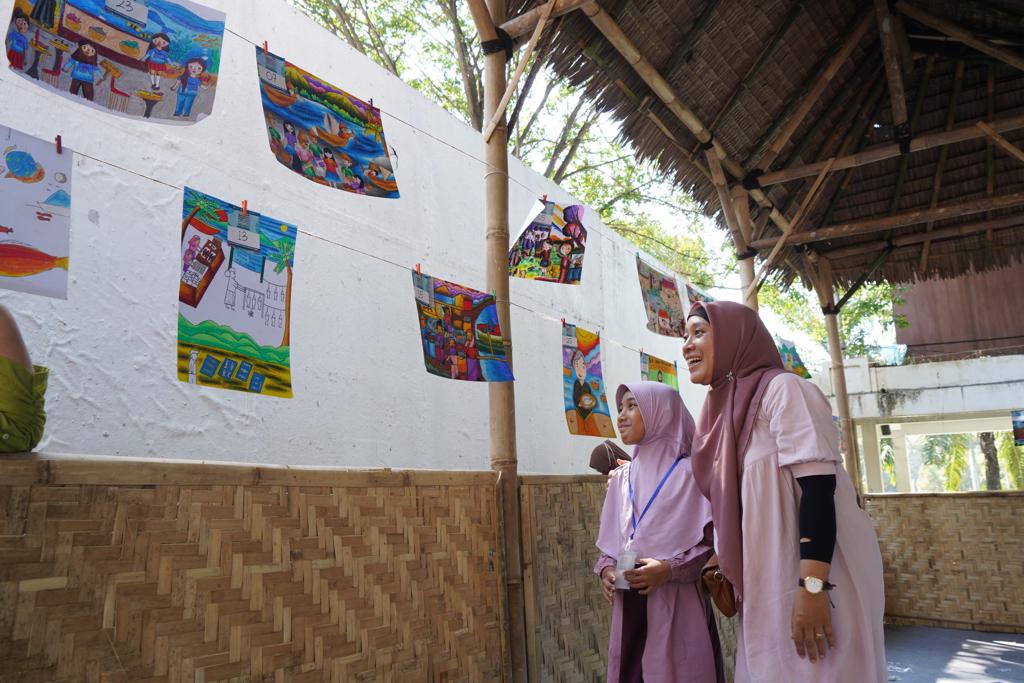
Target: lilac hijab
[{"x": 676, "y": 520}]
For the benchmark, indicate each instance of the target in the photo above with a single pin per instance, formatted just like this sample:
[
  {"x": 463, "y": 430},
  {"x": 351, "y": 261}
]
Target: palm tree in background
[{"x": 284, "y": 257}]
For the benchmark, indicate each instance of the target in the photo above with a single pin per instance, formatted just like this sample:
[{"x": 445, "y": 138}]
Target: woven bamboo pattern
[
  {"x": 568, "y": 620},
  {"x": 156, "y": 582},
  {"x": 955, "y": 561}
]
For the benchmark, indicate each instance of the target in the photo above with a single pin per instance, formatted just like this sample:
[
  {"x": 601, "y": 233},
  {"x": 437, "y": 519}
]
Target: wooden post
[
  {"x": 826, "y": 296},
  {"x": 902, "y": 462},
  {"x": 729, "y": 213},
  {"x": 741, "y": 205},
  {"x": 524, "y": 24},
  {"x": 501, "y": 395},
  {"x": 872, "y": 460},
  {"x": 963, "y": 35}
]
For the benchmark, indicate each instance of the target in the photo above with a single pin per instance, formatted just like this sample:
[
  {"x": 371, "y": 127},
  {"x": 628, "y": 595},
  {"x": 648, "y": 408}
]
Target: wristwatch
[{"x": 814, "y": 585}]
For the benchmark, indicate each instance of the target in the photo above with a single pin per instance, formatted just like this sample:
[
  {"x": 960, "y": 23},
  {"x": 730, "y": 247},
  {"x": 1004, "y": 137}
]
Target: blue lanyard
[{"x": 632, "y": 503}]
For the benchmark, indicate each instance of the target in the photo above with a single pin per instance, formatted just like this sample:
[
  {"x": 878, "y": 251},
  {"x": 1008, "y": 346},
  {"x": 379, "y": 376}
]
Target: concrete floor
[{"x": 936, "y": 655}]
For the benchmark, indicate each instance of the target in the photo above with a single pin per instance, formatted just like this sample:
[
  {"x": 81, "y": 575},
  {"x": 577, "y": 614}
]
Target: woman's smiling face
[{"x": 699, "y": 350}]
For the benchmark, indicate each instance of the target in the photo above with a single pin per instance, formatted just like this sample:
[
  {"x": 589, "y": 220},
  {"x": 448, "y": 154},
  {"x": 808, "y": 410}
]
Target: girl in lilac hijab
[{"x": 662, "y": 627}]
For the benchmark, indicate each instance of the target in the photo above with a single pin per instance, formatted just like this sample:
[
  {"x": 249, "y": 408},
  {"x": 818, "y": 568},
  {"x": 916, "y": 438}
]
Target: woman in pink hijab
[
  {"x": 801, "y": 555},
  {"x": 662, "y": 627}
]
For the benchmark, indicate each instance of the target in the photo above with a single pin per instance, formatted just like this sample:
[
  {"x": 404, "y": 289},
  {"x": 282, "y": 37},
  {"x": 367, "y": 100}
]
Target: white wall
[{"x": 363, "y": 397}]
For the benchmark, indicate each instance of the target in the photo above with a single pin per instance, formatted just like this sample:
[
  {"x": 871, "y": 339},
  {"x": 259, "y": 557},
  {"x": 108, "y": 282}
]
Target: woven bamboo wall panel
[
  {"x": 568, "y": 620},
  {"x": 237, "y": 582},
  {"x": 953, "y": 561}
]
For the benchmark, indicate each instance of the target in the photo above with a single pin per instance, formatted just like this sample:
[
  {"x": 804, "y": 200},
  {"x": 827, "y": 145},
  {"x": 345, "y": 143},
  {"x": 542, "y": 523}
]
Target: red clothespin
[
  {"x": 265, "y": 48},
  {"x": 60, "y": 145},
  {"x": 545, "y": 200},
  {"x": 563, "y": 321},
  {"x": 418, "y": 272},
  {"x": 245, "y": 207}
]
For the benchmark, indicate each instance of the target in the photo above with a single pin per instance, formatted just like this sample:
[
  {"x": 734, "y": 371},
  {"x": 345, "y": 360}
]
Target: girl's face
[
  {"x": 160, "y": 43},
  {"x": 565, "y": 249},
  {"x": 195, "y": 68},
  {"x": 88, "y": 50},
  {"x": 289, "y": 128},
  {"x": 21, "y": 24},
  {"x": 631, "y": 422},
  {"x": 699, "y": 349},
  {"x": 580, "y": 366}
]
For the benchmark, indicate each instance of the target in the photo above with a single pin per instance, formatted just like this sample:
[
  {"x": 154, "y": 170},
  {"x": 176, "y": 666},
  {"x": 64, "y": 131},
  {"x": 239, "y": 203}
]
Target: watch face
[{"x": 813, "y": 584}]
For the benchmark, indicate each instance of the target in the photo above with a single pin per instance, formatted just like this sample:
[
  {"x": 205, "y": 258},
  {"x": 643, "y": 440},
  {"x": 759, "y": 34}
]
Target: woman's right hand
[{"x": 608, "y": 583}]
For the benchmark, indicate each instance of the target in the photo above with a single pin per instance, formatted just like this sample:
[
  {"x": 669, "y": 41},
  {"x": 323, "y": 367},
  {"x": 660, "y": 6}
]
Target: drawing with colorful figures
[
  {"x": 662, "y": 300},
  {"x": 695, "y": 294},
  {"x": 148, "y": 59},
  {"x": 35, "y": 214},
  {"x": 654, "y": 369},
  {"x": 234, "y": 297},
  {"x": 551, "y": 245},
  {"x": 460, "y": 332},
  {"x": 586, "y": 408},
  {"x": 790, "y": 357},
  {"x": 323, "y": 133}
]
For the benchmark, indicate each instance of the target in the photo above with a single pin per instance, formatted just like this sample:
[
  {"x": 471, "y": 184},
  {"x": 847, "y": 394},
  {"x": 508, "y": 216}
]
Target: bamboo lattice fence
[{"x": 156, "y": 571}]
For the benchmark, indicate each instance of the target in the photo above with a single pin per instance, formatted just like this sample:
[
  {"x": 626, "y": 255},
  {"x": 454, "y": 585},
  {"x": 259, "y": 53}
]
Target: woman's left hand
[
  {"x": 812, "y": 624},
  {"x": 651, "y": 574}
]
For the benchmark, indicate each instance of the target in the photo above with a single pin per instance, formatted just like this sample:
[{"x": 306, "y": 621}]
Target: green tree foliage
[
  {"x": 1011, "y": 459},
  {"x": 948, "y": 453}
]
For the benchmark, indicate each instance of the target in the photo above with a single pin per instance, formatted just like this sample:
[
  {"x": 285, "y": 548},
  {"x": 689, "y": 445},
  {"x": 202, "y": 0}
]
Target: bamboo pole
[
  {"x": 741, "y": 208},
  {"x": 872, "y": 225},
  {"x": 882, "y": 152},
  {"x": 985, "y": 226},
  {"x": 964, "y": 36},
  {"x": 826, "y": 296},
  {"x": 729, "y": 212},
  {"x": 893, "y": 68},
  {"x": 514, "y": 83},
  {"x": 990, "y": 161},
  {"x": 1004, "y": 144},
  {"x": 643, "y": 67},
  {"x": 525, "y": 23},
  {"x": 901, "y": 175},
  {"x": 940, "y": 166},
  {"x": 501, "y": 395},
  {"x": 801, "y": 213},
  {"x": 812, "y": 96}
]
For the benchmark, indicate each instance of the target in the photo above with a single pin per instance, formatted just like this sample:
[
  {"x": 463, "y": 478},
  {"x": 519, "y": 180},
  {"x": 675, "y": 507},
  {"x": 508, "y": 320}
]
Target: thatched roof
[{"x": 742, "y": 66}]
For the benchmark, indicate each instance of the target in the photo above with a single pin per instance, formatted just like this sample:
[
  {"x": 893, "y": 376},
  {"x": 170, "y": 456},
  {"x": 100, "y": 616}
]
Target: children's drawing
[
  {"x": 695, "y": 294},
  {"x": 151, "y": 59},
  {"x": 35, "y": 214},
  {"x": 586, "y": 408},
  {"x": 322, "y": 132},
  {"x": 665, "y": 314},
  {"x": 460, "y": 331},
  {"x": 1017, "y": 420},
  {"x": 551, "y": 245},
  {"x": 234, "y": 297},
  {"x": 654, "y": 369},
  {"x": 790, "y": 357}
]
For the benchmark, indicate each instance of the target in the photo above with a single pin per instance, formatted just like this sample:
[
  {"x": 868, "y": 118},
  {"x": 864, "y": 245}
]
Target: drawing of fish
[
  {"x": 19, "y": 260},
  {"x": 5, "y": 229}
]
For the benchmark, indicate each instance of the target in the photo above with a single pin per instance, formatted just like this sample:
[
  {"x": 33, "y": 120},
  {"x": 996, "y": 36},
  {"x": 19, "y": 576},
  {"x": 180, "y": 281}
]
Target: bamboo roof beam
[
  {"x": 815, "y": 93},
  {"x": 963, "y": 35},
  {"x": 525, "y": 23},
  {"x": 643, "y": 67},
  {"x": 1004, "y": 144},
  {"x": 725, "y": 200},
  {"x": 940, "y": 166},
  {"x": 990, "y": 161},
  {"x": 893, "y": 69},
  {"x": 873, "y": 225},
  {"x": 878, "y": 153},
  {"x": 966, "y": 229},
  {"x": 901, "y": 175}
]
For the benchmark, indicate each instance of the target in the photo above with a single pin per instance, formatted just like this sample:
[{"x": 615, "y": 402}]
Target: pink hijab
[
  {"x": 676, "y": 520},
  {"x": 745, "y": 361}
]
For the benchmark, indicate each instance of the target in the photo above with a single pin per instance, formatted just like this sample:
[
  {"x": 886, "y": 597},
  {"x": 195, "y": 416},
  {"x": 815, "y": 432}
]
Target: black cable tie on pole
[
  {"x": 705, "y": 146},
  {"x": 830, "y": 310},
  {"x": 744, "y": 255},
  {"x": 750, "y": 181},
  {"x": 503, "y": 43},
  {"x": 903, "y": 137}
]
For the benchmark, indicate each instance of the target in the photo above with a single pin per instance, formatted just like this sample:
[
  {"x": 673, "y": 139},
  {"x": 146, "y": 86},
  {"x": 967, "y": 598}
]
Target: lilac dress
[{"x": 794, "y": 436}]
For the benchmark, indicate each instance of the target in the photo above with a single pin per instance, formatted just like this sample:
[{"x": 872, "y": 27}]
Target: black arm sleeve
[{"x": 817, "y": 517}]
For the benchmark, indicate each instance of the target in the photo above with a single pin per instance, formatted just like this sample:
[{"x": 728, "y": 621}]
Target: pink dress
[{"x": 794, "y": 436}]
